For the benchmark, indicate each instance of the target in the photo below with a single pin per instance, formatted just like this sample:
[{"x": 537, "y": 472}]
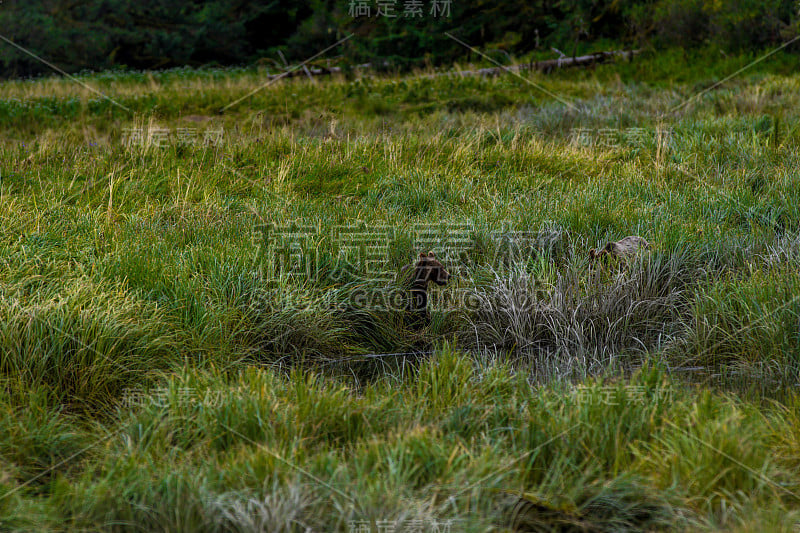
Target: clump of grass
[
  {"x": 284, "y": 510},
  {"x": 622, "y": 504},
  {"x": 294, "y": 324},
  {"x": 35, "y": 435},
  {"x": 82, "y": 344},
  {"x": 786, "y": 250},
  {"x": 454, "y": 441},
  {"x": 583, "y": 321},
  {"x": 746, "y": 321}
]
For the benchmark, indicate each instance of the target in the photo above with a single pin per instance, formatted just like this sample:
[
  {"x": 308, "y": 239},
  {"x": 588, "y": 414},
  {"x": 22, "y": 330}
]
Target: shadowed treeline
[{"x": 102, "y": 34}]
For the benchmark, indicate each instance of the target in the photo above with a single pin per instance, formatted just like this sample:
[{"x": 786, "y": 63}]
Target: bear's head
[
  {"x": 594, "y": 255},
  {"x": 429, "y": 268}
]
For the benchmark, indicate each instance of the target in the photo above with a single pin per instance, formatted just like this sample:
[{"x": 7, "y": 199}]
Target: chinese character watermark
[
  {"x": 289, "y": 250},
  {"x": 619, "y": 137},
  {"x": 613, "y": 395},
  {"x": 363, "y": 252},
  {"x": 364, "y": 249},
  {"x": 158, "y": 137},
  {"x": 160, "y": 396},
  {"x": 452, "y": 241},
  {"x": 408, "y": 526},
  {"x": 391, "y": 8}
]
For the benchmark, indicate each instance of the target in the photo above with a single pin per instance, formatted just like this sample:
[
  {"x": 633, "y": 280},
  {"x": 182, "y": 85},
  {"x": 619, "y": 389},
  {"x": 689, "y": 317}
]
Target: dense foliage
[{"x": 149, "y": 34}]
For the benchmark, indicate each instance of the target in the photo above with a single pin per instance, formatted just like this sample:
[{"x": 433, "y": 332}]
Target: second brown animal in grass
[
  {"x": 621, "y": 249},
  {"x": 427, "y": 269}
]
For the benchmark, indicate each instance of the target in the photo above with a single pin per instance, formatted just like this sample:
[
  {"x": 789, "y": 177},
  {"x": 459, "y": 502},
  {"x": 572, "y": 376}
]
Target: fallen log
[
  {"x": 545, "y": 66},
  {"x": 581, "y": 61},
  {"x": 549, "y": 65},
  {"x": 316, "y": 71}
]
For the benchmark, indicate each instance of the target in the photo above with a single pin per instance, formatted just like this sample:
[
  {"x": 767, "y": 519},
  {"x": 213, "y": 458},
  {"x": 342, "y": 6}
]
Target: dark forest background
[{"x": 153, "y": 34}]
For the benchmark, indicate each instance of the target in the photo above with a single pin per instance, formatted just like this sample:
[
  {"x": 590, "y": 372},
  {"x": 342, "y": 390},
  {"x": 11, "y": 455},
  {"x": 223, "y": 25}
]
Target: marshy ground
[{"x": 161, "y": 371}]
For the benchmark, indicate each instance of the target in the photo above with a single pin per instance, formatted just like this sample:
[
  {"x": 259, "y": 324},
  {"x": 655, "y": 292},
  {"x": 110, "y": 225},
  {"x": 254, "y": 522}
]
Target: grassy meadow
[{"x": 161, "y": 373}]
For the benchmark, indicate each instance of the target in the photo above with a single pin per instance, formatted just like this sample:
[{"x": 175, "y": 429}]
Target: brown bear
[
  {"x": 415, "y": 279},
  {"x": 621, "y": 249}
]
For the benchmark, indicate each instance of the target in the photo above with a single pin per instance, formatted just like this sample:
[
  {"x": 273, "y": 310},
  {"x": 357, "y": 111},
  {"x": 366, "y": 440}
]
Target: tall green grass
[
  {"x": 657, "y": 394},
  {"x": 454, "y": 440}
]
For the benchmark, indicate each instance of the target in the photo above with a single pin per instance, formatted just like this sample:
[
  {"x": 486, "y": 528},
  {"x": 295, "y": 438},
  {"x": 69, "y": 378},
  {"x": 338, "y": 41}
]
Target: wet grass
[{"x": 158, "y": 373}]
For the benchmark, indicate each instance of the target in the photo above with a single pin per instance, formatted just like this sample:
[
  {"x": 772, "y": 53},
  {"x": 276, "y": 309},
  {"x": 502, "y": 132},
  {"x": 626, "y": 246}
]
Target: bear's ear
[
  {"x": 422, "y": 255},
  {"x": 431, "y": 254}
]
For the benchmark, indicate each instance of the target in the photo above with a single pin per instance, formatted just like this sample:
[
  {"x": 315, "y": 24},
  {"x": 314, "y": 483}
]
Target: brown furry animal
[
  {"x": 427, "y": 269},
  {"x": 621, "y": 249}
]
